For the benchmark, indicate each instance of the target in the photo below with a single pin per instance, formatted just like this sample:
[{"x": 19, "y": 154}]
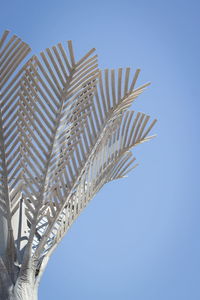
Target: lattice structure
[{"x": 65, "y": 131}]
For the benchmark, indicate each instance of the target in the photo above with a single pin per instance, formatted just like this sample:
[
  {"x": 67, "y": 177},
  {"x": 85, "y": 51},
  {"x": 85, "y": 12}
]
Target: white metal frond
[
  {"x": 12, "y": 54},
  {"x": 65, "y": 131},
  {"x": 108, "y": 134},
  {"x": 55, "y": 100},
  {"x": 13, "y": 51}
]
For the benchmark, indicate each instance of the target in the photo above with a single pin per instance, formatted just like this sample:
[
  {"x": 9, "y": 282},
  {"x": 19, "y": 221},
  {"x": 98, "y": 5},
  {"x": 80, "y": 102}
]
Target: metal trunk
[{"x": 21, "y": 291}]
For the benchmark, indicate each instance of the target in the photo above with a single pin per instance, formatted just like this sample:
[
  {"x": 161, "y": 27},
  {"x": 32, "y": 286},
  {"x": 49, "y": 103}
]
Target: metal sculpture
[{"x": 65, "y": 131}]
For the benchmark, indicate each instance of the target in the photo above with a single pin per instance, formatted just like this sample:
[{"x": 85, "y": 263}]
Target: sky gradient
[{"x": 139, "y": 239}]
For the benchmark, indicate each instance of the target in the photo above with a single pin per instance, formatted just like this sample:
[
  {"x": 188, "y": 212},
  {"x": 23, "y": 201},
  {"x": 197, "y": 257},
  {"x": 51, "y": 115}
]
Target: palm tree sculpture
[{"x": 65, "y": 131}]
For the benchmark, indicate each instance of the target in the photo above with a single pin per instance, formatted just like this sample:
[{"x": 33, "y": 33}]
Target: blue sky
[{"x": 140, "y": 237}]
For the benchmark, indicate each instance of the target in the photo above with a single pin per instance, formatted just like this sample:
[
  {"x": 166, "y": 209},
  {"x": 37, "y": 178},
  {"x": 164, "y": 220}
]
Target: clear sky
[{"x": 139, "y": 239}]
